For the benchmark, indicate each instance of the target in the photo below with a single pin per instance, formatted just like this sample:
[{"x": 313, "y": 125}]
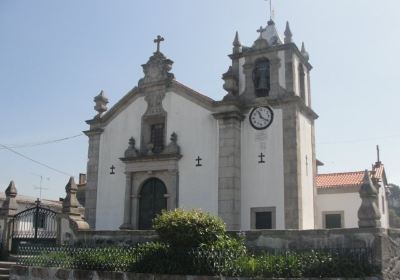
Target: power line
[
  {"x": 15, "y": 146},
  {"x": 35, "y": 161},
  {"x": 359, "y": 140}
]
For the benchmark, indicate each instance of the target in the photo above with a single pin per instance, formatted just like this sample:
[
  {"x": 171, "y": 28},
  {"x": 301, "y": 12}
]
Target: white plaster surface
[
  {"x": 197, "y": 136},
  {"x": 347, "y": 202},
  {"x": 307, "y": 171},
  {"x": 262, "y": 184},
  {"x": 113, "y": 143}
]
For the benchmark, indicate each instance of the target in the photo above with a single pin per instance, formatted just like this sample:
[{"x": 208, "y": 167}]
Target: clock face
[{"x": 261, "y": 117}]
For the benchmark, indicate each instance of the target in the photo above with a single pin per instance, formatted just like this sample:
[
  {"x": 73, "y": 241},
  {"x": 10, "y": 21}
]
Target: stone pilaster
[
  {"x": 92, "y": 175},
  {"x": 369, "y": 215},
  {"x": 292, "y": 167},
  {"x": 289, "y": 72},
  {"x": 229, "y": 173},
  {"x": 128, "y": 203}
]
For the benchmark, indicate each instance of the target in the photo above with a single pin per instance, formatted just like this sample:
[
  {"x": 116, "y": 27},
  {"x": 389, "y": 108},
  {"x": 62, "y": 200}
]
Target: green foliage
[
  {"x": 196, "y": 243},
  {"x": 188, "y": 229},
  {"x": 304, "y": 264}
]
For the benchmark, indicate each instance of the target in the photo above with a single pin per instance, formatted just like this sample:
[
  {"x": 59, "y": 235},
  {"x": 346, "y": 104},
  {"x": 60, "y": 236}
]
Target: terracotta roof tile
[
  {"x": 347, "y": 179},
  {"x": 332, "y": 180}
]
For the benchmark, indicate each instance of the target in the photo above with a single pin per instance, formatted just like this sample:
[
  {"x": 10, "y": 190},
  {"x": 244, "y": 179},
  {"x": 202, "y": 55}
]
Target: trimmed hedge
[{"x": 188, "y": 229}]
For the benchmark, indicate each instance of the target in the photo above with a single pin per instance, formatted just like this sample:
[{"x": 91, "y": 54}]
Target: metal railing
[{"x": 328, "y": 262}]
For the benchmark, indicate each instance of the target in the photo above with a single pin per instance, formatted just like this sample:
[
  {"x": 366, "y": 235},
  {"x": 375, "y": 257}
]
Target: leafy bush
[{"x": 188, "y": 229}]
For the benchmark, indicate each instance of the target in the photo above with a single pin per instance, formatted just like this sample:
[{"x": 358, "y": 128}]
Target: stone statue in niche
[{"x": 262, "y": 78}]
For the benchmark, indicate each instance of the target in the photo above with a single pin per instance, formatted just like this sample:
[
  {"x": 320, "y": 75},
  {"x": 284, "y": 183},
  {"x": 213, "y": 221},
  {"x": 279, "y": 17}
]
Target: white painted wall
[
  {"x": 197, "y": 136},
  {"x": 262, "y": 184},
  {"x": 113, "y": 143},
  {"x": 307, "y": 171},
  {"x": 347, "y": 202}
]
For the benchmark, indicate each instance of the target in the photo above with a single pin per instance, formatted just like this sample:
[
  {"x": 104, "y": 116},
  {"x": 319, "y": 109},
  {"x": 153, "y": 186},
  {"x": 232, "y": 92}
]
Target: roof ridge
[{"x": 335, "y": 173}]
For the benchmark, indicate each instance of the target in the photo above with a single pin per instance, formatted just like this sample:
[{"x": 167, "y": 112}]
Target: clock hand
[{"x": 259, "y": 114}]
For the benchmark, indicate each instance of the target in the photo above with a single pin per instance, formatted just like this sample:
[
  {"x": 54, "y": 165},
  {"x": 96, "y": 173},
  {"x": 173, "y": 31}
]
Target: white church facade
[{"x": 249, "y": 158}]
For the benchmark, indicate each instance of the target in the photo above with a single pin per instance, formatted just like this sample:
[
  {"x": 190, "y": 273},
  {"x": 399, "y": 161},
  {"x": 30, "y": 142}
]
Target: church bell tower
[{"x": 269, "y": 84}]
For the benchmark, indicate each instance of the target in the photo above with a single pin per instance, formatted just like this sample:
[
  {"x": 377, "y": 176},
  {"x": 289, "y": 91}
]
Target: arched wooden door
[{"x": 152, "y": 201}]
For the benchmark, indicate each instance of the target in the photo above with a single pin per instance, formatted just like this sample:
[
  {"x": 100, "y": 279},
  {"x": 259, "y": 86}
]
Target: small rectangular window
[
  {"x": 263, "y": 220},
  {"x": 157, "y": 137},
  {"x": 383, "y": 204},
  {"x": 333, "y": 221}
]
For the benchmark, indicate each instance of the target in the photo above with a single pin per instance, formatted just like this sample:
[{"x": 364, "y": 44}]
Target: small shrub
[{"x": 188, "y": 229}]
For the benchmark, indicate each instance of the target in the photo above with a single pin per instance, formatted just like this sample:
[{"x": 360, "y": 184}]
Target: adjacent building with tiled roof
[{"x": 338, "y": 197}]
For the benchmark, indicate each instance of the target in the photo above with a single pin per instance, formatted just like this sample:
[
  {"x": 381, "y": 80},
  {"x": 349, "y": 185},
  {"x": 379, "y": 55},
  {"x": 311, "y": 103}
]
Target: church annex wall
[
  {"x": 114, "y": 141},
  {"x": 262, "y": 183},
  {"x": 345, "y": 203},
  {"x": 198, "y": 137}
]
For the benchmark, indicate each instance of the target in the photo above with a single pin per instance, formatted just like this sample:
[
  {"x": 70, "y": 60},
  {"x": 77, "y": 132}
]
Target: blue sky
[{"x": 55, "y": 56}]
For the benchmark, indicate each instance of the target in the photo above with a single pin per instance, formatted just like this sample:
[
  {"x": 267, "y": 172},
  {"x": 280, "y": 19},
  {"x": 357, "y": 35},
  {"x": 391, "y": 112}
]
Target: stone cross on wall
[{"x": 158, "y": 41}]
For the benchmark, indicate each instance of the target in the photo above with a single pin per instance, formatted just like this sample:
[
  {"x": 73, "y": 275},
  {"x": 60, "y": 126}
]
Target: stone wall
[
  {"x": 36, "y": 273},
  {"x": 119, "y": 238}
]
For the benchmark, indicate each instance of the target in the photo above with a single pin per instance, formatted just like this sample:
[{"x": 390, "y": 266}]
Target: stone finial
[
  {"x": 173, "y": 147},
  {"x": 101, "y": 104},
  {"x": 237, "y": 46},
  {"x": 11, "y": 190},
  {"x": 288, "y": 34},
  {"x": 174, "y": 138},
  {"x": 369, "y": 214},
  {"x": 10, "y": 205},
  {"x": 231, "y": 83},
  {"x": 131, "y": 152},
  {"x": 304, "y": 52},
  {"x": 70, "y": 204}
]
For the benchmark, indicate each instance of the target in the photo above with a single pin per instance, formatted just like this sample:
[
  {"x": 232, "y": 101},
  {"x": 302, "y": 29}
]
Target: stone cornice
[
  {"x": 228, "y": 110},
  {"x": 282, "y": 100},
  {"x": 94, "y": 131},
  {"x": 152, "y": 158}
]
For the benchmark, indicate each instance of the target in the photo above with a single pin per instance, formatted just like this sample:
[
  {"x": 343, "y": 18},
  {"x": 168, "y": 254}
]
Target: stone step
[
  {"x": 4, "y": 277},
  {"x": 6, "y": 264},
  {"x": 4, "y": 271}
]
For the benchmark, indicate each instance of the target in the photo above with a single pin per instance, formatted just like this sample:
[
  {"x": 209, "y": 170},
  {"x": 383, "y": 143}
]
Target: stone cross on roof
[
  {"x": 158, "y": 41},
  {"x": 261, "y": 30}
]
